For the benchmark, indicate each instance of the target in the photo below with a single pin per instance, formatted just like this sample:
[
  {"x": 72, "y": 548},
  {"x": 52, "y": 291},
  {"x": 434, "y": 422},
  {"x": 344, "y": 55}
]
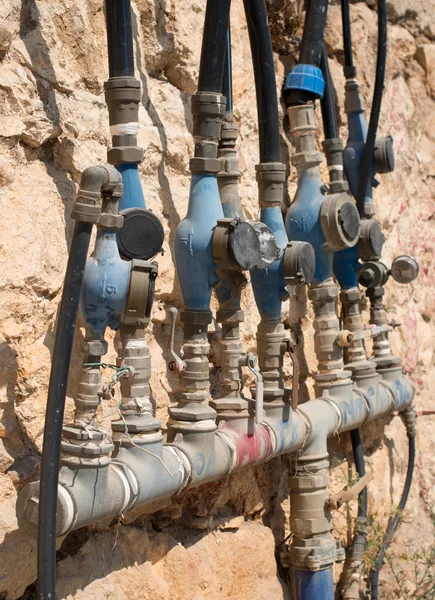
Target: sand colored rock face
[{"x": 54, "y": 123}]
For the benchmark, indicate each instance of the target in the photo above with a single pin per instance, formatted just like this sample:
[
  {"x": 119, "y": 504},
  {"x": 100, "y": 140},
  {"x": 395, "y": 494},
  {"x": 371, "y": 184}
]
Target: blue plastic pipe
[
  {"x": 196, "y": 268},
  {"x": 268, "y": 284},
  {"x": 314, "y": 585}
]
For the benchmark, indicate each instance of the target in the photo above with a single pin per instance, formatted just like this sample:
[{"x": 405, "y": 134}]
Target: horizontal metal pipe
[{"x": 144, "y": 470}]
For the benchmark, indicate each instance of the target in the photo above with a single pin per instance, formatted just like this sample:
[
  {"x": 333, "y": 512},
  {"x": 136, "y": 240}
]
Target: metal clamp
[
  {"x": 177, "y": 364},
  {"x": 251, "y": 363}
]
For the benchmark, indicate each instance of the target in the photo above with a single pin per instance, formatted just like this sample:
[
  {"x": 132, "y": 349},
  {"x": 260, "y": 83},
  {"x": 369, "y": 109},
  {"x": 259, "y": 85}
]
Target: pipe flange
[{"x": 340, "y": 221}]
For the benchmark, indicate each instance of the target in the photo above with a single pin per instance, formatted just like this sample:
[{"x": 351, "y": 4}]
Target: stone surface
[{"x": 53, "y": 123}]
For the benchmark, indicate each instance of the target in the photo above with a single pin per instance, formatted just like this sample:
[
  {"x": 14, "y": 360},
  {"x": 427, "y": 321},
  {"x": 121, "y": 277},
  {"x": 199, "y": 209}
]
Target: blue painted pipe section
[
  {"x": 196, "y": 268},
  {"x": 303, "y": 221},
  {"x": 346, "y": 262},
  {"x": 317, "y": 585},
  {"x": 346, "y": 267},
  {"x": 105, "y": 286},
  {"x": 268, "y": 284},
  {"x": 133, "y": 194}
]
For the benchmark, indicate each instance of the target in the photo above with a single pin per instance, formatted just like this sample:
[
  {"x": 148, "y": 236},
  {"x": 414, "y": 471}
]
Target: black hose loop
[
  {"x": 265, "y": 82},
  {"x": 214, "y": 46}
]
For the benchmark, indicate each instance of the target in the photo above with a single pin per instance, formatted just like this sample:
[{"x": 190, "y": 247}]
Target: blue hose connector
[{"x": 307, "y": 78}]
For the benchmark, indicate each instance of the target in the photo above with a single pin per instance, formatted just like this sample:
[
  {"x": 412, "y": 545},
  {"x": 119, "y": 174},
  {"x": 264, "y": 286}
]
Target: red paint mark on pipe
[{"x": 251, "y": 449}]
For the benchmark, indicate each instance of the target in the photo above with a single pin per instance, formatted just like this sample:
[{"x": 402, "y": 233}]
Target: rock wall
[{"x": 219, "y": 542}]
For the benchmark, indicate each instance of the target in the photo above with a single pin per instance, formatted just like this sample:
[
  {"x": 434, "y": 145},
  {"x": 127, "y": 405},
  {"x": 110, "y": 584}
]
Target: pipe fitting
[
  {"x": 271, "y": 179},
  {"x": 122, "y": 98},
  {"x": 208, "y": 110},
  {"x": 94, "y": 181}
]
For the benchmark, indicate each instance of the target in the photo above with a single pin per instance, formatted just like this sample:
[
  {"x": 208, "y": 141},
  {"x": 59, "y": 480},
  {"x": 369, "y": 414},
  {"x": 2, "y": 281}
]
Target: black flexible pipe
[
  {"x": 367, "y": 160},
  {"x": 358, "y": 456},
  {"x": 69, "y": 305},
  {"x": 314, "y": 26},
  {"x": 227, "y": 85},
  {"x": 212, "y": 64},
  {"x": 311, "y": 47},
  {"x": 347, "y": 36},
  {"x": 119, "y": 38},
  {"x": 374, "y": 577},
  {"x": 327, "y": 103},
  {"x": 265, "y": 82}
]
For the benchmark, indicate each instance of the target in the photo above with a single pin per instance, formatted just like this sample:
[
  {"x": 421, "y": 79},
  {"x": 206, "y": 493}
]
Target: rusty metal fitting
[
  {"x": 208, "y": 110},
  {"x": 94, "y": 347},
  {"x": 95, "y": 182},
  {"x": 353, "y": 102},
  {"x": 111, "y": 221},
  {"x": 88, "y": 396},
  {"x": 229, "y": 315},
  {"x": 271, "y": 179},
  {"x": 271, "y": 348},
  {"x": 326, "y": 328},
  {"x": 196, "y": 317},
  {"x": 313, "y": 546},
  {"x": 333, "y": 149}
]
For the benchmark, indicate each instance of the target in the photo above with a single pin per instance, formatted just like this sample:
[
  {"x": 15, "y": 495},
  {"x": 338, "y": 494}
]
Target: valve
[
  {"x": 404, "y": 269},
  {"x": 251, "y": 363},
  {"x": 177, "y": 364},
  {"x": 345, "y": 337},
  {"x": 373, "y": 273}
]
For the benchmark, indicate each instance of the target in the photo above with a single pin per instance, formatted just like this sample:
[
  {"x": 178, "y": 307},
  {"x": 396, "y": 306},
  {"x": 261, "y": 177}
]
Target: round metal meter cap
[
  {"x": 384, "y": 155},
  {"x": 349, "y": 220},
  {"x": 404, "y": 269},
  {"x": 141, "y": 235},
  {"x": 299, "y": 263},
  {"x": 371, "y": 240},
  {"x": 243, "y": 245}
]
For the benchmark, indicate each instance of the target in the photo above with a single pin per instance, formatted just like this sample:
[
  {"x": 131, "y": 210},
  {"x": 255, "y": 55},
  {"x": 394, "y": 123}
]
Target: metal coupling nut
[
  {"x": 111, "y": 221},
  {"x": 94, "y": 347}
]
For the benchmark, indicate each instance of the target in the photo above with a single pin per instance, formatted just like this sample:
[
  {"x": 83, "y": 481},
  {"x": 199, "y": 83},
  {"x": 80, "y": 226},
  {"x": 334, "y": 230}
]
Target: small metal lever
[
  {"x": 295, "y": 379},
  {"x": 177, "y": 364},
  {"x": 251, "y": 363},
  {"x": 345, "y": 338},
  {"x": 352, "y": 492}
]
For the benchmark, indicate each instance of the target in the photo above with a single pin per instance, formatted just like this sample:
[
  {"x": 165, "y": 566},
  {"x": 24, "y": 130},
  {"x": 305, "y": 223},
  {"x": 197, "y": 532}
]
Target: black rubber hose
[
  {"x": 119, "y": 38},
  {"x": 374, "y": 577},
  {"x": 66, "y": 323},
  {"x": 227, "y": 85},
  {"x": 265, "y": 82},
  {"x": 367, "y": 160},
  {"x": 358, "y": 456},
  {"x": 347, "y": 36},
  {"x": 311, "y": 47},
  {"x": 327, "y": 103},
  {"x": 214, "y": 37}
]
